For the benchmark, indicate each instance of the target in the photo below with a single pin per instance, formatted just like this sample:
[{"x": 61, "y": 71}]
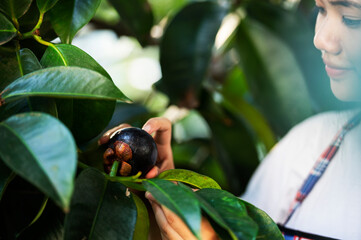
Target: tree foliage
[{"x": 242, "y": 69}]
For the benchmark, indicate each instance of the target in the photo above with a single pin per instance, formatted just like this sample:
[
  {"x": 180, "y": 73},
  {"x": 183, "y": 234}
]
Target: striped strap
[{"x": 321, "y": 164}]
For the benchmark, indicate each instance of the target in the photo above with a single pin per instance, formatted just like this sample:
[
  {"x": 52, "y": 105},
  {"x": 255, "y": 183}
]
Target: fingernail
[
  {"x": 147, "y": 195},
  {"x": 147, "y": 128},
  {"x": 103, "y": 140}
]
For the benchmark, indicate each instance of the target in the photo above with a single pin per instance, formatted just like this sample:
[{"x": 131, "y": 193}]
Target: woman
[{"x": 331, "y": 207}]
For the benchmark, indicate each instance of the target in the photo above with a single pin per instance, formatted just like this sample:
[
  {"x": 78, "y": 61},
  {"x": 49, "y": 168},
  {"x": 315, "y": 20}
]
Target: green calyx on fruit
[{"x": 134, "y": 149}]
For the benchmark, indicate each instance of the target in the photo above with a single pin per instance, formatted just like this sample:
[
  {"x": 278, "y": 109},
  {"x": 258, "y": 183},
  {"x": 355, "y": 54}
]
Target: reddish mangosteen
[{"x": 133, "y": 148}]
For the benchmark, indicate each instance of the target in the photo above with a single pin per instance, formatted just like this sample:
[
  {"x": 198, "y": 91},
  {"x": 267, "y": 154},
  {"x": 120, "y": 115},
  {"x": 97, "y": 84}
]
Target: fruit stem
[
  {"x": 37, "y": 26},
  {"x": 114, "y": 169},
  {"x": 82, "y": 165}
]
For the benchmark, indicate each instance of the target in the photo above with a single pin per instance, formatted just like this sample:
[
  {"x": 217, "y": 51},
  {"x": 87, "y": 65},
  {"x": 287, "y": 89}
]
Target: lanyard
[{"x": 321, "y": 164}]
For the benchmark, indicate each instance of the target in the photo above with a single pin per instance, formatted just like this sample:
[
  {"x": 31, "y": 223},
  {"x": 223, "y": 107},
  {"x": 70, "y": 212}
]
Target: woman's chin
[{"x": 347, "y": 90}]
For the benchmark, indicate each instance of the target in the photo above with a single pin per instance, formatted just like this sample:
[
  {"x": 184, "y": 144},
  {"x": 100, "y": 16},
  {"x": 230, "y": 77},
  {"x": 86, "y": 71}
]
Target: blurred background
[{"x": 232, "y": 76}]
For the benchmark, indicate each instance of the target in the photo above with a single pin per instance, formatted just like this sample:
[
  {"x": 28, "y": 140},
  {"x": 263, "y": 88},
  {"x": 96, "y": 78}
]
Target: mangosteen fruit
[{"x": 133, "y": 148}]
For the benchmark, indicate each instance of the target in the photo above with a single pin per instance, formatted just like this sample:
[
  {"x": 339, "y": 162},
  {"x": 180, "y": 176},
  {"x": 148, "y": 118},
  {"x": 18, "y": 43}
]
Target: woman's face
[{"x": 338, "y": 37}]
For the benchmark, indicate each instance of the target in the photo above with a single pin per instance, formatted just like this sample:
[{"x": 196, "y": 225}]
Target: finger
[
  {"x": 177, "y": 224},
  {"x": 162, "y": 128},
  {"x": 106, "y": 136},
  {"x": 152, "y": 172},
  {"x": 166, "y": 230},
  {"x": 149, "y": 196},
  {"x": 207, "y": 232}
]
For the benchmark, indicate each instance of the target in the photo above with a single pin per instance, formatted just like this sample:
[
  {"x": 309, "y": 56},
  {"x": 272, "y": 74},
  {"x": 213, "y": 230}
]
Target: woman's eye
[
  {"x": 354, "y": 23},
  {"x": 320, "y": 10}
]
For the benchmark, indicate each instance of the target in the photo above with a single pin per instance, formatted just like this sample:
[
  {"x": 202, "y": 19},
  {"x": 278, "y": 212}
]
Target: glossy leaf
[
  {"x": 90, "y": 118},
  {"x": 100, "y": 209},
  {"x": 46, "y": 31},
  {"x": 69, "y": 16},
  {"x": 5, "y": 177},
  {"x": 137, "y": 15},
  {"x": 9, "y": 67},
  {"x": 14, "y": 67},
  {"x": 15, "y": 8},
  {"x": 268, "y": 229},
  {"x": 186, "y": 49},
  {"x": 228, "y": 212},
  {"x": 29, "y": 62},
  {"x": 271, "y": 82},
  {"x": 7, "y": 30},
  {"x": 69, "y": 55},
  {"x": 128, "y": 183},
  {"x": 233, "y": 144},
  {"x": 75, "y": 82},
  {"x": 179, "y": 200},
  {"x": 189, "y": 177},
  {"x": 142, "y": 225},
  {"x": 40, "y": 149},
  {"x": 235, "y": 102},
  {"x": 85, "y": 118},
  {"x": 45, "y": 5}
]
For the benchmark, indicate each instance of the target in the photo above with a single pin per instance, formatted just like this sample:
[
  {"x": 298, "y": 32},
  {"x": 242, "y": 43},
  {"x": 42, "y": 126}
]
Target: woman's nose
[{"x": 327, "y": 37}]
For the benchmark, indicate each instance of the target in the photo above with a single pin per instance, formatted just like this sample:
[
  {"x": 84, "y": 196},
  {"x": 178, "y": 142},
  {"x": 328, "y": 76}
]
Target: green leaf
[
  {"x": 29, "y": 62},
  {"x": 179, "y": 200},
  {"x": 186, "y": 49},
  {"x": 227, "y": 211},
  {"x": 27, "y": 24},
  {"x": 15, "y": 8},
  {"x": 233, "y": 144},
  {"x": 90, "y": 118},
  {"x": 236, "y": 103},
  {"x": 268, "y": 229},
  {"x": 272, "y": 74},
  {"x": 127, "y": 182},
  {"x": 9, "y": 67},
  {"x": 137, "y": 15},
  {"x": 166, "y": 8},
  {"x": 85, "y": 118},
  {"x": 14, "y": 65},
  {"x": 7, "y": 30},
  {"x": 40, "y": 149},
  {"x": 71, "y": 82},
  {"x": 100, "y": 209},
  {"x": 189, "y": 177},
  {"x": 142, "y": 225},
  {"x": 69, "y": 55},
  {"x": 5, "y": 177},
  {"x": 69, "y": 16},
  {"x": 45, "y": 5}
]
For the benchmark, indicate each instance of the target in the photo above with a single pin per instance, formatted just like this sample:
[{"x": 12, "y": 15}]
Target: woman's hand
[
  {"x": 173, "y": 228},
  {"x": 161, "y": 130}
]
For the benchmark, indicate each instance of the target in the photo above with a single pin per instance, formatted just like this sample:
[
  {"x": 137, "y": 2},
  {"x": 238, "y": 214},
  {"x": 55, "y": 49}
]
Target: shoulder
[
  {"x": 318, "y": 128},
  {"x": 318, "y": 121}
]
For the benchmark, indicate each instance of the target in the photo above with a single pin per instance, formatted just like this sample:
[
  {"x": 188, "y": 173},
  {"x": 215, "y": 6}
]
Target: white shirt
[{"x": 333, "y": 208}]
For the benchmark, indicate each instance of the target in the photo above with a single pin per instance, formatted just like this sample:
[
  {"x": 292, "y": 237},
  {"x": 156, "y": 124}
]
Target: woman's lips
[{"x": 336, "y": 72}]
